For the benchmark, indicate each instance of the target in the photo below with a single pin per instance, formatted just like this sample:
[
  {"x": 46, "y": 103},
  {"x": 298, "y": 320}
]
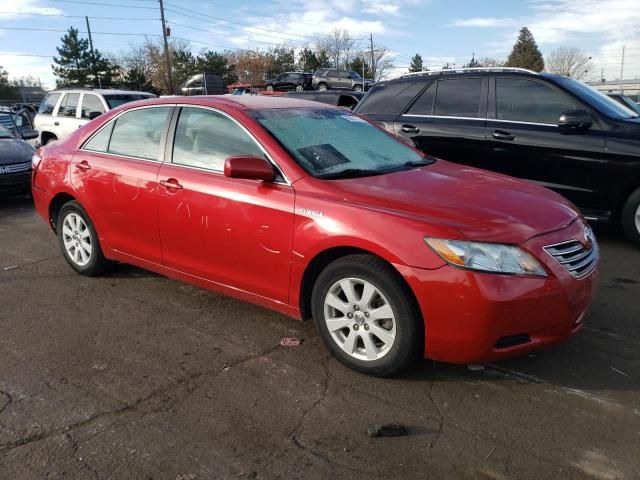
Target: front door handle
[
  {"x": 171, "y": 184},
  {"x": 83, "y": 166},
  {"x": 410, "y": 129},
  {"x": 57, "y": 124},
  {"x": 502, "y": 135}
]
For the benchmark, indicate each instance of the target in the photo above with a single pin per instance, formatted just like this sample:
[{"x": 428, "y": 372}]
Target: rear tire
[
  {"x": 269, "y": 88},
  {"x": 631, "y": 217},
  {"x": 78, "y": 240},
  {"x": 299, "y": 88},
  {"x": 367, "y": 316}
]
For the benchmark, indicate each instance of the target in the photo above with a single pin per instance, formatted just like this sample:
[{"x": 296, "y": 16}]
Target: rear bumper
[{"x": 473, "y": 317}]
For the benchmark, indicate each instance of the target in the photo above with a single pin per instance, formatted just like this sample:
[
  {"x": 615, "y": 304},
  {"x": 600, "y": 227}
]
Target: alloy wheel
[
  {"x": 299, "y": 88},
  {"x": 77, "y": 239},
  {"x": 360, "y": 319}
]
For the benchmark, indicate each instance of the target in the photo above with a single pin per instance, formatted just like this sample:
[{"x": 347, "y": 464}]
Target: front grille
[
  {"x": 575, "y": 257},
  {"x": 15, "y": 168}
]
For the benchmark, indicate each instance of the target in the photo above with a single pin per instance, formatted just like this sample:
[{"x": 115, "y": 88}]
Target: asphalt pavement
[{"x": 135, "y": 376}]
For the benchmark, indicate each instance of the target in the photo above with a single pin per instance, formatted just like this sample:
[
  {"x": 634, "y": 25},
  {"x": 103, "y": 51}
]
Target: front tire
[
  {"x": 357, "y": 88},
  {"x": 367, "y": 316},
  {"x": 299, "y": 88},
  {"x": 78, "y": 240},
  {"x": 631, "y": 217},
  {"x": 322, "y": 87},
  {"x": 269, "y": 88}
]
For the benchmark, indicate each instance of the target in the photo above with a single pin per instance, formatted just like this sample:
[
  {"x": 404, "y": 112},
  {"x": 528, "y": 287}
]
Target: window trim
[
  {"x": 170, "y": 140},
  {"x": 163, "y": 138}
]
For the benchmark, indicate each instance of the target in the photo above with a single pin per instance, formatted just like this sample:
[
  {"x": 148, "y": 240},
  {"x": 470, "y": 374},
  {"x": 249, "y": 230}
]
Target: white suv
[{"x": 63, "y": 111}]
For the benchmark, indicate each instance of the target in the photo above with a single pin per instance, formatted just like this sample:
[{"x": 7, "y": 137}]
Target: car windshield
[
  {"x": 598, "y": 100},
  {"x": 7, "y": 126},
  {"x": 115, "y": 100},
  {"x": 332, "y": 143}
]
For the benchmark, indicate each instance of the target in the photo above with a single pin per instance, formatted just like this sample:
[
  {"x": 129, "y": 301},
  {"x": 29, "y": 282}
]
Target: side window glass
[
  {"x": 137, "y": 133},
  {"x": 459, "y": 98},
  {"x": 522, "y": 100},
  {"x": 100, "y": 141},
  {"x": 91, "y": 106},
  {"x": 205, "y": 139},
  {"x": 424, "y": 104},
  {"x": 48, "y": 103},
  {"x": 69, "y": 105},
  {"x": 390, "y": 99}
]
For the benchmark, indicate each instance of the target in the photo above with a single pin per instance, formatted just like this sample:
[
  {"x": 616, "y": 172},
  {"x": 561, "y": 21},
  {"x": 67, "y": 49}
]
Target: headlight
[{"x": 486, "y": 257}]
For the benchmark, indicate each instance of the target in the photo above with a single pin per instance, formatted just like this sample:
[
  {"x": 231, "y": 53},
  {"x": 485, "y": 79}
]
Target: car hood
[
  {"x": 14, "y": 150},
  {"x": 480, "y": 205}
]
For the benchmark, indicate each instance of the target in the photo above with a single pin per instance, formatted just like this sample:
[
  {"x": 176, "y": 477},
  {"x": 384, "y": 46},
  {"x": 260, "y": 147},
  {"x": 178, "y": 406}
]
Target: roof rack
[{"x": 466, "y": 70}]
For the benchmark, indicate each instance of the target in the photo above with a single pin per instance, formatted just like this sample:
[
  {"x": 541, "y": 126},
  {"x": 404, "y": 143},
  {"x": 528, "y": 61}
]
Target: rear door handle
[
  {"x": 171, "y": 184},
  {"x": 57, "y": 124},
  {"x": 502, "y": 135},
  {"x": 410, "y": 129},
  {"x": 83, "y": 166}
]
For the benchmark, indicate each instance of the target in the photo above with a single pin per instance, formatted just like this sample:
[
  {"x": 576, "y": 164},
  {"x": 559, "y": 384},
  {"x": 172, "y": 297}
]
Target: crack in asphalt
[
  {"x": 440, "y": 414},
  {"x": 75, "y": 445},
  {"x": 36, "y": 437},
  {"x": 8, "y": 402}
]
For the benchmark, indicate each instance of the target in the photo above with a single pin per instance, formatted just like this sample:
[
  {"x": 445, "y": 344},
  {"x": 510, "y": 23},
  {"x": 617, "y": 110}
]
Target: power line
[
  {"x": 104, "y": 4},
  {"x": 78, "y": 16}
]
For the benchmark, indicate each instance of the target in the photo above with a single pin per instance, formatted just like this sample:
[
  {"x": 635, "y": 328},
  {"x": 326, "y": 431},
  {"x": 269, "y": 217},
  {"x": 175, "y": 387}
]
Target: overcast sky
[{"x": 440, "y": 30}]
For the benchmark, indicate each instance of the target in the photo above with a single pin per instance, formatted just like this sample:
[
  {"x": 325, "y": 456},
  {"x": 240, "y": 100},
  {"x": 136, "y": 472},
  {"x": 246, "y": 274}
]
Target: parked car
[
  {"x": 553, "y": 130},
  {"x": 334, "y": 79},
  {"x": 314, "y": 212},
  {"x": 64, "y": 111},
  {"x": 18, "y": 121},
  {"x": 337, "y": 98},
  {"x": 622, "y": 99},
  {"x": 297, "y": 81},
  {"x": 204, "y": 84},
  {"x": 15, "y": 155}
]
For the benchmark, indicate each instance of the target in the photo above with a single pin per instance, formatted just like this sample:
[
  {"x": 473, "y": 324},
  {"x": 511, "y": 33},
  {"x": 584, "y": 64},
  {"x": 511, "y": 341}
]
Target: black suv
[
  {"x": 550, "y": 129},
  {"x": 297, "y": 81}
]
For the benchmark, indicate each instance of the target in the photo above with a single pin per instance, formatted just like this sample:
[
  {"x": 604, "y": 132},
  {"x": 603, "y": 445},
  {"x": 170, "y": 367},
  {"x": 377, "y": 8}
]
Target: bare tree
[
  {"x": 489, "y": 62},
  {"x": 571, "y": 62},
  {"x": 338, "y": 45},
  {"x": 252, "y": 66},
  {"x": 383, "y": 62}
]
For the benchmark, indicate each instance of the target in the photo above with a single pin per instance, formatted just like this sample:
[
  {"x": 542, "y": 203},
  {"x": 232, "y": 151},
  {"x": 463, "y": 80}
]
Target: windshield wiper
[{"x": 351, "y": 173}]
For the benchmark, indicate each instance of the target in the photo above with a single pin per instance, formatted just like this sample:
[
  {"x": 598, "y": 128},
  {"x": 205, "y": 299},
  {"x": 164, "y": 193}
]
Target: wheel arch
[
  {"x": 45, "y": 136},
  {"x": 322, "y": 259},
  {"x": 56, "y": 204}
]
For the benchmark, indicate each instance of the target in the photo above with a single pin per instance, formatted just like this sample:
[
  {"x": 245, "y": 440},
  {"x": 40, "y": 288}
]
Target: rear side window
[
  {"x": 205, "y": 139},
  {"x": 459, "y": 98},
  {"x": 424, "y": 104},
  {"x": 69, "y": 105},
  {"x": 91, "y": 104},
  {"x": 100, "y": 141},
  {"x": 48, "y": 103},
  {"x": 390, "y": 99},
  {"x": 137, "y": 133},
  {"x": 114, "y": 100},
  {"x": 522, "y": 100}
]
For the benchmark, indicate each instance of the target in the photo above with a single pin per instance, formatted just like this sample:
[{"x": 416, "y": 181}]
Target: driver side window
[
  {"x": 204, "y": 139},
  {"x": 523, "y": 100}
]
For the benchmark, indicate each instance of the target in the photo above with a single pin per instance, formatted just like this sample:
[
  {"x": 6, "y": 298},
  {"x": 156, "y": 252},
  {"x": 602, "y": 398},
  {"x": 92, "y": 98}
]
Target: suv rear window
[
  {"x": 389, "y": 99},
  {"x": 459, "y": 97},
  {"x": 48, "y": 103}
]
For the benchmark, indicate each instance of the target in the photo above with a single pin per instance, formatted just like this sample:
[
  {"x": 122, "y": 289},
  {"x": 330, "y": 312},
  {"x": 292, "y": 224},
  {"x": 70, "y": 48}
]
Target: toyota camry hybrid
[{"x": 312, "y": 211}]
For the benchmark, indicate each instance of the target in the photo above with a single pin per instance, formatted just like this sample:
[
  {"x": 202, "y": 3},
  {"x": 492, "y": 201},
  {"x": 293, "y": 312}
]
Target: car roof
[
  {"x": 238, "y": 102},
  {"x": 99, "y": 91},
  {"x": 470, "y": 72}
]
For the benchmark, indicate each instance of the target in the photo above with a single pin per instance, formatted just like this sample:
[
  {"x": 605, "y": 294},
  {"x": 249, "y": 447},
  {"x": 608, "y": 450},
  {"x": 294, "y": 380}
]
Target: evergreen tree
[
  {"x": 473, "y": 62},
  {"x": 307, "y": 60},
  {"x": 135, "y": 79},
  {"x": 8, "y": 89},
  {"x": 416, "y": 63},
  {"x": 74, "y": 63},
  {"x": 218, "y": 63},
  {"x": 525, "y": 53},
  {"x": 357, "y": 64}
]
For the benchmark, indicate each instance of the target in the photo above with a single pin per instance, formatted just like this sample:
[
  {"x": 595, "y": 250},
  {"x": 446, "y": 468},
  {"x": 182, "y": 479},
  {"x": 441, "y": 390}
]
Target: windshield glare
[
  {"x": 599, "y": 100},
  {"x": 326, "y": 142}
]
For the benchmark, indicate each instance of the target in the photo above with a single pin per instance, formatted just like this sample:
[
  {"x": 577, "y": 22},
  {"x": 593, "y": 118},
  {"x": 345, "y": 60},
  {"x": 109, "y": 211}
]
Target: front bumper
[
  {"x": 15, "y": 182},
  {"x": 473, "y": 317}
]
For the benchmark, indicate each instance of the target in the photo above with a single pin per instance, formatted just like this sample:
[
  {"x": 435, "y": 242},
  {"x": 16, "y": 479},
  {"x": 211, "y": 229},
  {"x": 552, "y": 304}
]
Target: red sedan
[{"x": 313, "y": 212}]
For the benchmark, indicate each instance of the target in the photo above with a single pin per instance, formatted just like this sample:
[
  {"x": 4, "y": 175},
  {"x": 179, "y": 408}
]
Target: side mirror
[
  {"x": 576, "y": 119},
  {"x": 94, "y": 114},
  {"x": 29, "y": 134},
  {"x": 251, "y": 168}
]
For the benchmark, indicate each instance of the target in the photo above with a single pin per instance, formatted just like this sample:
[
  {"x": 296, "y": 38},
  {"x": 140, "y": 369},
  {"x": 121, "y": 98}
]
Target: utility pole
[
  {"x": 621, "y": 70},
  {"x": 373, "y": 61},
  {"x": 166, "y": 48},
  {"x": 93, "y": 58}
]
